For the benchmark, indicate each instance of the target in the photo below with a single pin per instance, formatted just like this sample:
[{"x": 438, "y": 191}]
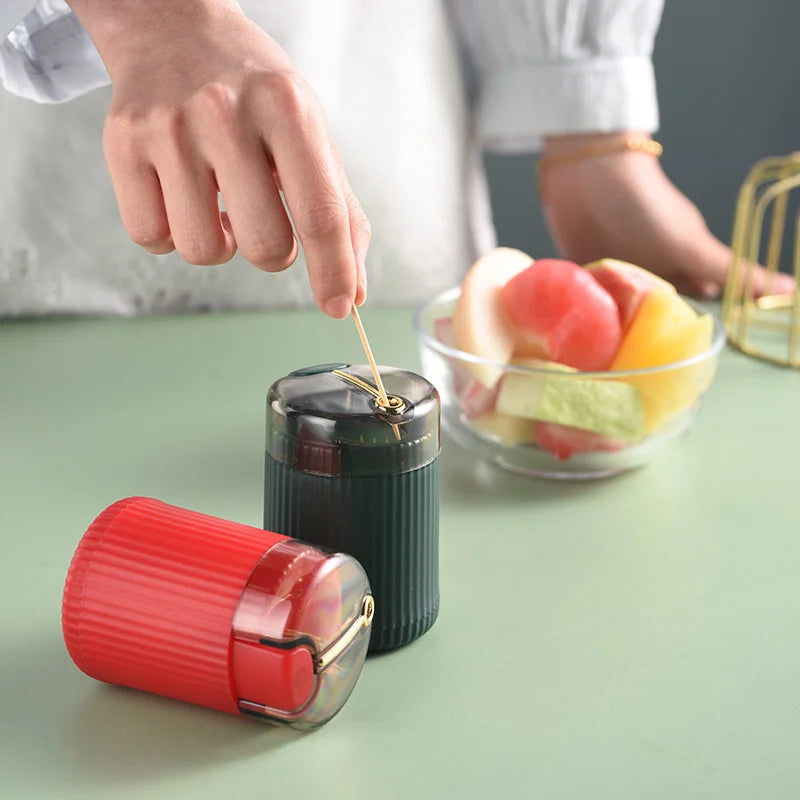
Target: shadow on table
[{"x": 59, "y": 725}]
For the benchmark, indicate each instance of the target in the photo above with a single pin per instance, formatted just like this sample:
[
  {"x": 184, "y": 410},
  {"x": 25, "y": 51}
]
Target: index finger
[{"x": 318, "y": 205}]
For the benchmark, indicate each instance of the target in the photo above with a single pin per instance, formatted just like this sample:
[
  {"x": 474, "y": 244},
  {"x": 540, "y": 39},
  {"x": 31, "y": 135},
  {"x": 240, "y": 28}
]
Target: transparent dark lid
[{"x": 328, "y": 420}]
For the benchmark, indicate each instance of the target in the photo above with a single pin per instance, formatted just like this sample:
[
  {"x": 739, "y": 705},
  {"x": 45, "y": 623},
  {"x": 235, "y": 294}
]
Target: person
[{"x": 342, "y": 136}]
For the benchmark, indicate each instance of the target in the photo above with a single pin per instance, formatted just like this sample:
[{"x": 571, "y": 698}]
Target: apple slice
[
  {"x": 477, "y": 399},
  {"x": 508, "y": 430},
  {"x": 480, "y": 324},
  {"x": 564, "y": 441},
  {"x": 563, "y": 314},
  {"x": 627, "y": 284},
  {"x": 443, "y": 332}
]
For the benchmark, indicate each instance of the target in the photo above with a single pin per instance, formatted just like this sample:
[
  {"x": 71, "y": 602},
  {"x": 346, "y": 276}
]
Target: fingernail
[{"x": 338, "y": 307}]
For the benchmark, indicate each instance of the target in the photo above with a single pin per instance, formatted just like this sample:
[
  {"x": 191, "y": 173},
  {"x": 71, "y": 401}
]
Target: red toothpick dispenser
[{"x": 215, "y": 613}]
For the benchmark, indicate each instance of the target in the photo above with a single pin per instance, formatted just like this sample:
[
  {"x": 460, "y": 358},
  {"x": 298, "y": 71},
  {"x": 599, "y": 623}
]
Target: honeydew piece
[{"x": 608, "y": 407}]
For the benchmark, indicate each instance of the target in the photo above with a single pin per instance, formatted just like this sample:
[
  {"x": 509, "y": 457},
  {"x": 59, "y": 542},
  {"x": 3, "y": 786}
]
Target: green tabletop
[{"x": 637, "y": 637}]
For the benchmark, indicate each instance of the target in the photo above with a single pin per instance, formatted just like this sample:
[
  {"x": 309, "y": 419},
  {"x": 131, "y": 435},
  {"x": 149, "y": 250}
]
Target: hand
[
  {"x": 624, "y": 206},
  {"x": 204, "y": 102}
]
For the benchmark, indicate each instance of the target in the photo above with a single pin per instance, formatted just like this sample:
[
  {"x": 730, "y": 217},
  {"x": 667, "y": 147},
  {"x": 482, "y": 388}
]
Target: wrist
[
  {"x": 118, "y": 26},
  {"x": 563, "y": 153},
  {"x": 575, "y": 143}
]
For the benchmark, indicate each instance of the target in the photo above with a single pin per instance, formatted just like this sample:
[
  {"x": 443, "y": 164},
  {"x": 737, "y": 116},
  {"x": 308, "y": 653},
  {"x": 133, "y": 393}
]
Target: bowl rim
[{"x": 718, "y": 340}]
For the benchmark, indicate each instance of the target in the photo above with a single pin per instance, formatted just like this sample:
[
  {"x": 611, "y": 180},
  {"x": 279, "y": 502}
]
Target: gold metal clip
[
  {"x": 363, "y": 620},
  {"x": 393, "y": 404}
]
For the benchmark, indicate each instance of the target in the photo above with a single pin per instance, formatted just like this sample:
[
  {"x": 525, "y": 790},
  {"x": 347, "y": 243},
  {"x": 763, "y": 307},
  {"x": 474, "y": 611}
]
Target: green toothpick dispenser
[{"x": 349, "y": 473}]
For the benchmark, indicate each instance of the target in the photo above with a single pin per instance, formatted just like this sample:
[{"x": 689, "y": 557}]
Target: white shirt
[{"x": 421, "y": 85}]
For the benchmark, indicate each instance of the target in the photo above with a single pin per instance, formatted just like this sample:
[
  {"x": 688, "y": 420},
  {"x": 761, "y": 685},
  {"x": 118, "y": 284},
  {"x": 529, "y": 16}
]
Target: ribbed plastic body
[
  {"x": 389, "y": 523},
  {"x": 150, "y": 598}
]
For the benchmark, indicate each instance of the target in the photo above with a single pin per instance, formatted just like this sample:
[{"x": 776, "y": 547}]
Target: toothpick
[{"x": 383, "y": 398}]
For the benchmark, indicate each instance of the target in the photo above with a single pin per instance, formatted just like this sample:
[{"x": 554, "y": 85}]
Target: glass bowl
[{"x": 618, "y": 420}]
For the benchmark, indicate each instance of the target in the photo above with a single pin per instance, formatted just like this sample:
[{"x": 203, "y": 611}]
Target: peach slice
[
  {"x": 627, "y": 284},
  {"x": 562, "y": 314},
  {"x": 480, "y": 323}
]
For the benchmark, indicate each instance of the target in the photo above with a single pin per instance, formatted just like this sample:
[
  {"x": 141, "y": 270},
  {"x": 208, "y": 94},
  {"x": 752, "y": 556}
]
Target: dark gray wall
[{"x": 728, "y": 74}]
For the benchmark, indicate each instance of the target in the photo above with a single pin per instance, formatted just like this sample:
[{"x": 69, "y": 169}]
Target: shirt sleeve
[
  {"x": 45, "y": 54},
  {"x": 549, "y": 67}
]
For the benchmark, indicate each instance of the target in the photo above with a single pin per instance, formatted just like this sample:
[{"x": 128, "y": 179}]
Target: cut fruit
[
  {"x": 480, "y": 323},
  {"x": 563, "y": 314},
  {"x": 610, "y": 408},
  {"x": 627, "y": 284},
  {"x": 508, "y": 430},
  {"x": 443, "y": 331},
  {"x": 665, "y": 330},
  {"x": 476, "y": 399},
  {"x": 460, "y": 376},
  {"x": 564, "y": 442},
  {"x": 650, "y": 340}
]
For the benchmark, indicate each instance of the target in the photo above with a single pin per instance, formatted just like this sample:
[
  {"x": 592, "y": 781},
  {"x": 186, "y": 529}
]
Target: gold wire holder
[{"x": 767, "y": 327}]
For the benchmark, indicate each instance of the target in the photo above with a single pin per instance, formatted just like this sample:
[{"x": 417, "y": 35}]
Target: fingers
[
  {"x": 709, "y": 290},
  {"x": 138, "y": 193},
  {"x": 763, "y": 283},
  {"x": 317, "y": 200},
  {"x": 713, "y": 263},
  {"x": 360, "y": 236},
  {"x": 360, "y": 233},
  {"x": 360, "y": 230},
  {"x": 168, "y": 165},
  {"x": 166, "y": 191},
  {"x": 782, "y": 284},
  {"x": 260, "y": 226},
  {"x": 190, "y": 197}
]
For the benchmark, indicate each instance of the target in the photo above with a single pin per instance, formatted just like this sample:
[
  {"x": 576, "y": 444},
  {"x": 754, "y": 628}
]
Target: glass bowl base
[{"x": 532, "y": 461}]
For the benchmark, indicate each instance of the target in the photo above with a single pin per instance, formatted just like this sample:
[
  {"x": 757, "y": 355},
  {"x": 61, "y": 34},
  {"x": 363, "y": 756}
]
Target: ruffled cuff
[
  {"x": 521, "y": 105},
  {"x": 49, "y": 57}
]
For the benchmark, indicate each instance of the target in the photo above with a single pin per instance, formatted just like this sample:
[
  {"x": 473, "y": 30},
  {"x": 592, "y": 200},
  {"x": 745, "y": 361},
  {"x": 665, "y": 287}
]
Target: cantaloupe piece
[{"x": 666, "y": 329}]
